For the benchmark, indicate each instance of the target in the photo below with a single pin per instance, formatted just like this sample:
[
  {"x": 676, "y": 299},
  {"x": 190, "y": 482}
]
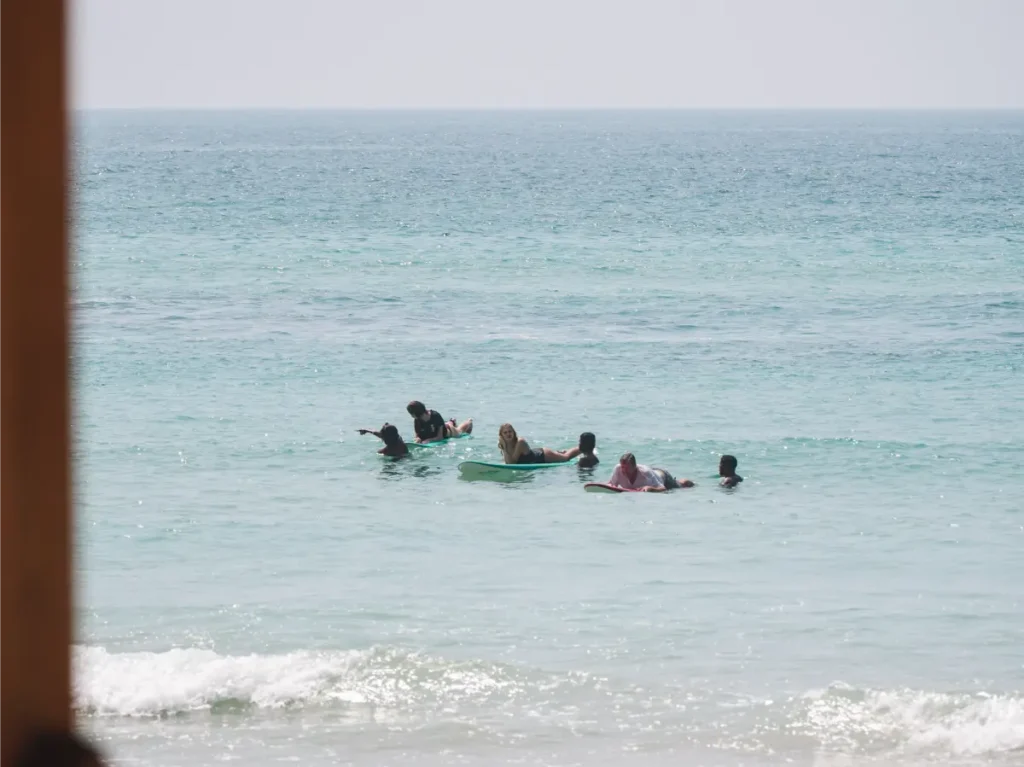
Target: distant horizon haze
[{"x": 457, "y": 55}]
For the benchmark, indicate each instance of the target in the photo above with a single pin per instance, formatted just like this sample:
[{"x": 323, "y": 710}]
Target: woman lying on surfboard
[
  {"x": 635, "y": 476},
  {"x": 514, "y": 449},
  {"x": 394, "y": 445}
]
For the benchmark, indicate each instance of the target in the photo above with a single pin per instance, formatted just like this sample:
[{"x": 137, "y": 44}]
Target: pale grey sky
[{"x": 548, "y": 53}]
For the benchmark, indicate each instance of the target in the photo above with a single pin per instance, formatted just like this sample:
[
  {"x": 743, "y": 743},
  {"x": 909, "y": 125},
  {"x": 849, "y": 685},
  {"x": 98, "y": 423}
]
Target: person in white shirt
[{"x": 635, "y": 476}]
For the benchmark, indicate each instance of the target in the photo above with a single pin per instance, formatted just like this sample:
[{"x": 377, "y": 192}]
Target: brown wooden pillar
[{"x": 35, "y": 497}]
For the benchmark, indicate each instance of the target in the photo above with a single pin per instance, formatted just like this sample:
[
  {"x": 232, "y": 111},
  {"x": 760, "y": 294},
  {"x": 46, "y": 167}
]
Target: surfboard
[
  {"x": 488, "y": 470},
  {"x": 439, "y": 443},
  {"x": 604, "y": 487}
]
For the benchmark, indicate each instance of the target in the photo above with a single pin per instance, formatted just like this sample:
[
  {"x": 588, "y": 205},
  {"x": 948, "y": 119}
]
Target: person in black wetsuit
[
  {"x": 588, "y": 444},
  {"x": 394, "y": 445},
  {"x": 431, "y": 427},
  {"x": 515, "y": 449}
]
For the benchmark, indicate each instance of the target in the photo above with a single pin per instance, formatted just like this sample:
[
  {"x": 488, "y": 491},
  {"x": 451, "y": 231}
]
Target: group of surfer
[{"x": 430, "y": 426}]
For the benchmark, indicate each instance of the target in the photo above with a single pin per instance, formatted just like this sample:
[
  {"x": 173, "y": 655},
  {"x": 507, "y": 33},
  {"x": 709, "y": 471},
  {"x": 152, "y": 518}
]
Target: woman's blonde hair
[{"x": 515, "y": 437}]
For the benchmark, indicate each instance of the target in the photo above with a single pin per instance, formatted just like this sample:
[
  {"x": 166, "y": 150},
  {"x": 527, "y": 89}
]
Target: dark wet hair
[
  {"x": 389, "y": 434},
  {"x": 728, "y": 464},
  {"x": 587, "y": 442},
  {"x": 628, "y": 458},
  {"x": 416, "y": 408}
]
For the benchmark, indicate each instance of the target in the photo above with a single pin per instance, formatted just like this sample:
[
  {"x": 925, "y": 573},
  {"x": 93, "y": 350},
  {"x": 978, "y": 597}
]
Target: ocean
[{"x": 835, "y": 298}]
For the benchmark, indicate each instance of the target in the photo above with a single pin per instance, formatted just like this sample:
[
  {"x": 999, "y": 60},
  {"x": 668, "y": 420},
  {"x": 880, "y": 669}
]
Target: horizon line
[{"x": 270, "y": 108}]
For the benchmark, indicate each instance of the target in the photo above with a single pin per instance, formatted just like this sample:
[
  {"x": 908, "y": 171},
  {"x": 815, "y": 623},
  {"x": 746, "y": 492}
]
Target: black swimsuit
[{"x": 531, "y": 456}]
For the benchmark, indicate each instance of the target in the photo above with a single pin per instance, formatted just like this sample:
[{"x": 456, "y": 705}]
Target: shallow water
[{"x": 836, "y": 299}]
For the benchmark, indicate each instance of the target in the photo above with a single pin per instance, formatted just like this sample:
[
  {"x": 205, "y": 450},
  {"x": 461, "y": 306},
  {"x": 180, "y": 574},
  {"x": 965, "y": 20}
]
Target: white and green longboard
[{"x": 488, "y": 470}]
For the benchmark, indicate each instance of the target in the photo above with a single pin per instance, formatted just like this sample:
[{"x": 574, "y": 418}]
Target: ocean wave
[
  {"x": 149, "y": 684},
  {"x": 962, "y": 724},
  {"x": 391, "y": 686}
]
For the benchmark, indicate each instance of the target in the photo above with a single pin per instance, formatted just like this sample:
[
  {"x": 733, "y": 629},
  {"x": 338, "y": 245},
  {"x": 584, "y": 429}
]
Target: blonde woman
[{"x": 515, "y": 449}]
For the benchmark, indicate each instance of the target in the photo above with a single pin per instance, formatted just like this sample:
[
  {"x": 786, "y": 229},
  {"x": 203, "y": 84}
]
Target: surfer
[
  {"x": 431, "y": 427},
  {"x": 588, "y": 443},
  {"x": 633, "y": 476},
  {"x": 727, "y": 471},
  {"x": 394, "y": 445},
  {"x": 515, "y": 449}
]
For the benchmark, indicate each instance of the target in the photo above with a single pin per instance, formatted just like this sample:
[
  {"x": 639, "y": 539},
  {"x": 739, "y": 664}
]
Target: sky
[{"x": 481, "y": 54}]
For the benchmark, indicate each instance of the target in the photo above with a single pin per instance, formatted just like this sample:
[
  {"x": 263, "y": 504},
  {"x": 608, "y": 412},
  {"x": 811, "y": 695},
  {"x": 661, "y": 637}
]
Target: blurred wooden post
[{"x": 35, "y": 495}]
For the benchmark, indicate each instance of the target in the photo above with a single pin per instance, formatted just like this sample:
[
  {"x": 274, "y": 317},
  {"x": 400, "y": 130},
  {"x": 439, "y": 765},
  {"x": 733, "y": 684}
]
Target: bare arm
[
  {"x": 512, "y": 455},
  {"x": 369, "y": 431},
  {"x": 521, "y": 449}
]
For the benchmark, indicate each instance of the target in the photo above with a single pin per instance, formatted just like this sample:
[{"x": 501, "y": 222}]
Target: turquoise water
[{"x": 836, "y": 299}]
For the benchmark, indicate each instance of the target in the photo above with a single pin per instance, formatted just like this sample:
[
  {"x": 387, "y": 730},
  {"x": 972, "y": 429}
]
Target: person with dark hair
[
  {"x": 727, "y": 471},
  {"x": 588, "y": 444},
  {"x": 394, "y": 445},
  {"x": 431, "y": 427},
  {"x": 635, "y": 476},
  {"x": 515, "y": 449}
]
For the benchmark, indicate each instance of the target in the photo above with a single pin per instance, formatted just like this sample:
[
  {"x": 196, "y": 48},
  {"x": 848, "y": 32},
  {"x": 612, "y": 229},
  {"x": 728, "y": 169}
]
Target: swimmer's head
[
  {"x": 416, "y": 409},
  {"x": 389, "y": 434},
  {"x": 587, "y": 442},
  {"x": 628, "y": 464},
  {"x": 727, "y": 466}
]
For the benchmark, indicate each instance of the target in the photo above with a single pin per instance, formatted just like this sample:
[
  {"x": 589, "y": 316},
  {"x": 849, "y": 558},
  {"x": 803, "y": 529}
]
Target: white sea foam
[
  {"x": 181, "y": 680},
  {"x": 388, "y": 683},
  {"x": 961, "y": 724}
]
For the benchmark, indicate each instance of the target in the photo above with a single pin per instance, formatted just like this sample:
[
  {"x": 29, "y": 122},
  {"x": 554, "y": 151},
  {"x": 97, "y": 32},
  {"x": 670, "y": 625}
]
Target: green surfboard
[{"x": 488, "y": 470}]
